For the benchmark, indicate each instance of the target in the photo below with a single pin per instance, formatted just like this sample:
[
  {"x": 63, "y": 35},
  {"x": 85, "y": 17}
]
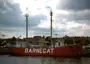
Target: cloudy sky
[{"x": 70, "y": 17}]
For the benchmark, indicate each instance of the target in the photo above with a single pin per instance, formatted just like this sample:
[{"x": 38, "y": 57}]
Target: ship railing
[{"x": 86, "y": 46}]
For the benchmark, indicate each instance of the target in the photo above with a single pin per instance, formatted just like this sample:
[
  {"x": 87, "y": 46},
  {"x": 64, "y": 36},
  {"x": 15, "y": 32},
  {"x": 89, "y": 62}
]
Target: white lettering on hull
[
  {"x": 44, "y": 50},
  {"x": 26, "y": 50},
  {"x": 39, "y": 50}
]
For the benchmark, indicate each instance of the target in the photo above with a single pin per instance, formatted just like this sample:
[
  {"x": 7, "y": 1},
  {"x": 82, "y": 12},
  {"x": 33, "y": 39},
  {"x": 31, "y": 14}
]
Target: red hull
[{"x": 74, "y": 50}]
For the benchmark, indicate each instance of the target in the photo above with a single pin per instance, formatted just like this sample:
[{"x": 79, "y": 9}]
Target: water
[{"x": 5, "y": 59}]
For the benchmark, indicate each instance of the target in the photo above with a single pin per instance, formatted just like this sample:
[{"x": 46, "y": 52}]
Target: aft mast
[{"x": 51, "y": 14}]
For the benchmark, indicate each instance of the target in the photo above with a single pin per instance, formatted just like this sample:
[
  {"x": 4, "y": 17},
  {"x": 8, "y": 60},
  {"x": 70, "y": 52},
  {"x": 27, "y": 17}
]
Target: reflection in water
[
  {"x": 42, "y": 60},
  {"x": 61, "y": 61},
  {"x": 85, "y": 60}
]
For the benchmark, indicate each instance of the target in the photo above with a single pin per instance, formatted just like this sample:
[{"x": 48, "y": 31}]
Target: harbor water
[{"x": 5, "y": 59}]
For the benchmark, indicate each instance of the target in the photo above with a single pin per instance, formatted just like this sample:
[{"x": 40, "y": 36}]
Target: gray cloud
[
  {"x": 13, "y": 15},
  {"x": 78, "y": 31},
  {"x": 79, "y": 12},
  {"x": 35, "y": 20},
  {"x": 12, "y": 20},
  {"x": 10, "y": 14},
  {"x": 74, "y": 4},
  {"x": 79, "y": 17},
  {"x": 87, "y": 32},
  {"x": 46, "y": 31}
]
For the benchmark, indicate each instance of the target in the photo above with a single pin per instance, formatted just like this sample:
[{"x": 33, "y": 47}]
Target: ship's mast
[
  {"x": 51, "y": 14},
  {"x": 26, "y": 15}
]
